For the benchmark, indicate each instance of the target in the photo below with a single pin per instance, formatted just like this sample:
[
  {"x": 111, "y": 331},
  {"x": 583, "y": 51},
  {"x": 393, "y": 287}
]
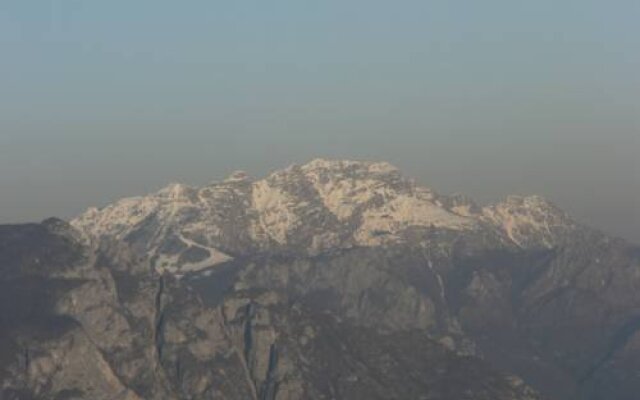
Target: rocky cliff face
[
  {"x": 335, "y": 279},
  {"x": 96, "y": 322}
]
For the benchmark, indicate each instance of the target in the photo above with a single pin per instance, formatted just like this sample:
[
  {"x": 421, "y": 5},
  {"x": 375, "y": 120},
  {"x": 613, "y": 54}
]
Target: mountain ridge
[{"x": 319, "y": 206}]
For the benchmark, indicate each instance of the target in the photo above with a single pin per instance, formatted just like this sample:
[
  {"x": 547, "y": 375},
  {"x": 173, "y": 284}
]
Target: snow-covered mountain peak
[
  {"x": 177, "y": 191},
  {"x": 307, "y": 209},
  {"x": 238, "y": 176},
  {"x": 530, "y": 220},
  {"x": 322, "y": 165}
]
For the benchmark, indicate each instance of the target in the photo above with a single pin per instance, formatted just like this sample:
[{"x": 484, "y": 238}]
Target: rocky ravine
[{"x": 335, "y": 280}]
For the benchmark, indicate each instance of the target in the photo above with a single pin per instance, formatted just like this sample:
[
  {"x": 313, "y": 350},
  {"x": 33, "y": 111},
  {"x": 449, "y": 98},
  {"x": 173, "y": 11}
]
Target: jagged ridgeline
[{"x": 330, "y": 280}]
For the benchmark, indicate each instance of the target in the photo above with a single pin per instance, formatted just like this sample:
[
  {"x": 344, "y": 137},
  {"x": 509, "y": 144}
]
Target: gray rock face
[
  {"x": 331, "y": 280},
  {"x": 97, "y": 322}
]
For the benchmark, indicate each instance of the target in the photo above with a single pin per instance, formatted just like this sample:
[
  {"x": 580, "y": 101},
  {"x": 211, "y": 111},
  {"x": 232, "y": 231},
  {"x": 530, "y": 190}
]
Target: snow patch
[
  {"x": 275, "y": 212},
  {"x": 403, "y": 212}
]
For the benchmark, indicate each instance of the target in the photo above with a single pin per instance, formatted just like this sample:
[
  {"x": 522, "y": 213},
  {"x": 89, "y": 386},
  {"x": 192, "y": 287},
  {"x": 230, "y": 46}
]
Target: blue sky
[{"x": 104, "y": 99}]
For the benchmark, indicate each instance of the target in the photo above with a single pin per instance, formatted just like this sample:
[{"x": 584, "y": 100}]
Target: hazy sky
[{"x": 102, "y": 99}]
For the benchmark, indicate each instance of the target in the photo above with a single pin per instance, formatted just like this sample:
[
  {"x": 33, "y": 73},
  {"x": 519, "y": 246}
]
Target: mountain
[{"x": 333, "y": 279}]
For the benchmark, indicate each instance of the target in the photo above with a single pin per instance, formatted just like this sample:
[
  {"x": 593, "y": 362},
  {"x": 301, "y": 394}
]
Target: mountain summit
[{"x": 309, "y": 209}]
